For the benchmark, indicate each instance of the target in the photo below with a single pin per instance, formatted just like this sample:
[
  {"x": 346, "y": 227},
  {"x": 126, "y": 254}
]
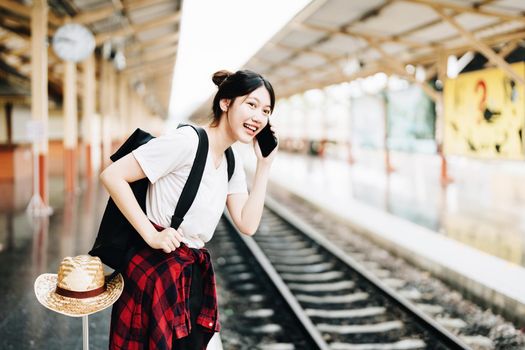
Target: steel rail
[
  {"x": 282, "y": 288},
  {"x": 434, "y": 328}
]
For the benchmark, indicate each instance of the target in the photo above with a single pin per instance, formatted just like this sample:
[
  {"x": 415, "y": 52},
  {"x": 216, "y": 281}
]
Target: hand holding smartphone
[{"x": 267, "y": 142}]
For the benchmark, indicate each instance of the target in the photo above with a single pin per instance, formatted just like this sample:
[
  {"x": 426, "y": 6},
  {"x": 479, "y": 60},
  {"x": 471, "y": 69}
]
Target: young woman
[{"x": 169, "y": 299}]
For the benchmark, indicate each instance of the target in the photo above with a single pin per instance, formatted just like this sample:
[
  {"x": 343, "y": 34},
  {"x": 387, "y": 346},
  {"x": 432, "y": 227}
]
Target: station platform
[
  {"x": 410, "y": 214},
  {"x": 30, "y": 247}
]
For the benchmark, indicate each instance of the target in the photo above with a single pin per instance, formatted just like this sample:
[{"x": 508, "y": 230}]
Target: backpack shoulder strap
[
  {"x": 230, "y": 159},
  {"x": 194, "y": 179}
]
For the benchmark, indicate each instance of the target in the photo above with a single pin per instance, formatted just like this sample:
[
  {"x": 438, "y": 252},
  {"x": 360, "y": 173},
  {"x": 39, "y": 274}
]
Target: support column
[
  {"x": 9, "y": 122},
  {"x": 112, "y": 106},
  {"x": 308, "y": 125},
  {"x": 39, "y": 95},
  {"x": 123, "y": 104},
  {"x": 388, "y": 165},
  {"x": 88, "y": 113},
  {"x": 104, "y": 108},
  {"x": 131, "y": 100},
  {"x": 70, "y": 126},
  {"x": 350, "y": 159},
  {"x": 140, "y": 111},
  {"x": 324, "y": 133},
  {"x": 440, "y": 119},
  {"x": 142, "y": 119},
  {"x": 132, "y": 110}
]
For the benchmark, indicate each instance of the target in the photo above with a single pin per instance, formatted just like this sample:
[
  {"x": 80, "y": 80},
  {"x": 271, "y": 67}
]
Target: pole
[
  {"x": 85, "y": 333},
  {"x": 39, "y": 93},
  {"x": 37, "y": 206}
]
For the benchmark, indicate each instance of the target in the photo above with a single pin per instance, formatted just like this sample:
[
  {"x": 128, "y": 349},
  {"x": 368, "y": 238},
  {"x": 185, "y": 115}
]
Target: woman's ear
[{"x": 224, "y": 103}]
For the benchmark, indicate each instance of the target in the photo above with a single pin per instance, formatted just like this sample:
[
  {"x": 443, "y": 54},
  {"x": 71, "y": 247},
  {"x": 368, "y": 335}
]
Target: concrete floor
[{"x": 34, "y": 246}]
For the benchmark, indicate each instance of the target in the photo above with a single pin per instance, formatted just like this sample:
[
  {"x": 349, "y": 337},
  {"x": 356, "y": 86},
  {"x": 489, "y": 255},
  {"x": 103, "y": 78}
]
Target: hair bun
[{"x": 220, "y": 76}]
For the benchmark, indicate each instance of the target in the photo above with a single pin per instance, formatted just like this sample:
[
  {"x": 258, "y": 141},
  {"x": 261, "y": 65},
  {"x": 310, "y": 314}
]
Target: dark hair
[{"x": 233, "y": 85}]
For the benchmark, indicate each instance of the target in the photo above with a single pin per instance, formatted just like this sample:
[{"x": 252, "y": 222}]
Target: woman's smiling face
[{"x": 248, "y": 114}]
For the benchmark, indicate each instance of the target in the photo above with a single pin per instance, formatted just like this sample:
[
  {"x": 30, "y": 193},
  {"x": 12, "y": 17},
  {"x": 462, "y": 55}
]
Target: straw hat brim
[{"x": 45, "y": 286}]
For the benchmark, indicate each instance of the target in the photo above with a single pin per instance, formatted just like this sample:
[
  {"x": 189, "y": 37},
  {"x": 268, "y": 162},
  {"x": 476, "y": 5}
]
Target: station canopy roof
[
  {"x": 146, "y": 30},
  {"x": 328, "y": 42},
  {"x": 333, "y": 41}
]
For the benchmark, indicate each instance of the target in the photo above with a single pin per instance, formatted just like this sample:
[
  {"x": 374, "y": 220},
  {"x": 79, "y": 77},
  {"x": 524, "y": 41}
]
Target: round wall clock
[{"x": 73, "y": 42}]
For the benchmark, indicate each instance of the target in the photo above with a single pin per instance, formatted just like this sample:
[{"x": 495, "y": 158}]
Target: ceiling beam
[
  {"x": 158, "y": 77},
  {"x": 154, "y": 55},
  {"x": 293, "y": 66},
  {"x": 4, "y": 36},
  {"x": 508, "y": 48},
  {"x": 23, "y": 71},
  {"x": 460, "y": 49},
  {"x": 136, "y": 4},
  {"x": 468, "y": 9},
  {"x": 482, "y": 47},
  {"x": 476, "y": 31},
  {"x": 168, "y": 19},
  {"x": 423, "y": 26},
  {"x": 399, "y": 68},
  {"x": 153, "y": 73},
  {"x": 25, "y": 11},
  {"x": 135, "y": 69},
  {"x": 431, "y": 57},
  {"x": 21, "y": 51},
  {"x": 390, "y": 38},
  {"x": 329, "y": 62},
  {"x": 348, "y": 32},
  {"x": 135, "y": 28},
  {"x": 18, "y": 25},
  {"x": 332, "y": 79},
  {"x": 170, "y": 38},
  {"x": 96, "y": 15},
  {"x": 323, "y": 55}
]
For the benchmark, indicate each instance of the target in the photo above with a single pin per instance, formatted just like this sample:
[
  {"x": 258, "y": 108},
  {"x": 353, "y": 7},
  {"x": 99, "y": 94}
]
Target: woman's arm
[
  {"x": 116, "y": 178},
  {"x": 246, "y": 210}
]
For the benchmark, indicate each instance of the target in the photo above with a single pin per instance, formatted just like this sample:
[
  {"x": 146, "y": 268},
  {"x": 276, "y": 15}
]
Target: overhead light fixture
[
  {"x": 410, "y": 69},
  {"x": 421, "y": 73},
  {"x": 106, "y": 49},
  {"x": 351, "y": 65},
  {"x": 139, "y": 87},
  {"x": 119, "y": 60},
  {"x": 464, "y": 60},
  {"x": 452, "y": 67}
]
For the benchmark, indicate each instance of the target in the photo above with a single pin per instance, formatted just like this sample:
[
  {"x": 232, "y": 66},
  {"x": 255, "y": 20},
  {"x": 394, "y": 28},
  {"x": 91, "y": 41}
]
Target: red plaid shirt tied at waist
[{"x": 154, "y": 306}]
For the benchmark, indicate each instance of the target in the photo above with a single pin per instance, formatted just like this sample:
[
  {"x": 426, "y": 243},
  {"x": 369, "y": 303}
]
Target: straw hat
[{"x": 80, "y": 287}]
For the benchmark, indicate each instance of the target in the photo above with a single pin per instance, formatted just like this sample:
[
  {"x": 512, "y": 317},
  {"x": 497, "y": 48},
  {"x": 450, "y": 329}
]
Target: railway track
[
  {"x": 332, "y": 298},
  {"x": 253, "y": 313}
]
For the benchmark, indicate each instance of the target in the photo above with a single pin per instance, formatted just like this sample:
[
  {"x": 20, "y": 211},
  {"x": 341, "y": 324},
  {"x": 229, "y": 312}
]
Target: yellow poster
[{"x": 485, "y": 114}]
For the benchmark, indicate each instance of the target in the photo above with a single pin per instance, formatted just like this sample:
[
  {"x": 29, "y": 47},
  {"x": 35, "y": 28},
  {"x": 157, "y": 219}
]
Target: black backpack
[{"x": 117, "y": 240}]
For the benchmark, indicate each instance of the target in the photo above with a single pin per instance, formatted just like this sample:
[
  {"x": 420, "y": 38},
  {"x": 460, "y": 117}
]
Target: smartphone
[{"x": 267, "y": 142}]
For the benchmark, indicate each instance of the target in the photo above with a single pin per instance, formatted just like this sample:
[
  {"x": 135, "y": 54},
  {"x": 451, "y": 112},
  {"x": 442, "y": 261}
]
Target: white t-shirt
[{"x": 167, "y": 161}]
